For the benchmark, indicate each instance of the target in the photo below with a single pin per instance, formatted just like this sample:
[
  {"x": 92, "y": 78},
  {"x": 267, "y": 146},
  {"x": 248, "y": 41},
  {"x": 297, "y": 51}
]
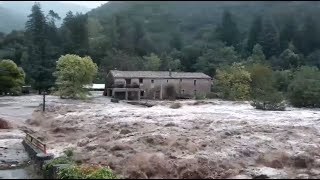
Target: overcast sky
[{"x": 89, "y": 4}]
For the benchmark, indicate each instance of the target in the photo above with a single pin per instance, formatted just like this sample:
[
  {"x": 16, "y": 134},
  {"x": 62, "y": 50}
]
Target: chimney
[{"x": 170, "y": 72}]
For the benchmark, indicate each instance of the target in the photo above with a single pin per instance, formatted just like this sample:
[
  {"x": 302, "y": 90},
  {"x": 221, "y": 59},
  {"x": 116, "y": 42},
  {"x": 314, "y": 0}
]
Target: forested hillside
[
  {"x": 187, "y": 36},
  {"x": 14, "y": 14}
]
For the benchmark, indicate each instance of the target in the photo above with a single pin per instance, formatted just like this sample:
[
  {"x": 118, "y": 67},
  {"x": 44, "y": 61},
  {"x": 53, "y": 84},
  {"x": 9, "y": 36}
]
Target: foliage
[
  {"x": 40, "y": 63},
  {"x": 257, "y": 55},
  {"x": 11, "y": 77},
  {"x": 228, "y": 30},
  {"x": 152, "y": 62},
  {"x": 176, "y": 105},
  {"x": 200, "y": 96},
  {"x": 68, "y": 153},
  {"x": 212, "y": 95},
  {"x": 282, "y": 80},
  {"x": 263, "y": 92},
  {"x": 234, "y": 82},
  {"x": 48, "y": 167},
  {"x": 160, "y": 36},
  {"x": 289, "y": 59},
  {"x": 269, "y": 39},
  {"x": 73, "y": 73},
  {"x": 93, "y": 172},
  {"x": 254, "y": 33},
  {"x": 304, "y": 90},
  {"x": 215, "y": 57}
]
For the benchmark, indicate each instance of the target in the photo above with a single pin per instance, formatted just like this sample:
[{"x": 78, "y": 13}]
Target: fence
[{"x": 37, "y": 143}]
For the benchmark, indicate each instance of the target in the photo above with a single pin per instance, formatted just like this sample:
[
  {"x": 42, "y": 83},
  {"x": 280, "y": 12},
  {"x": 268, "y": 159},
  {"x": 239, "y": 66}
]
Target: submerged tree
[{"x": 73, "y": 73}]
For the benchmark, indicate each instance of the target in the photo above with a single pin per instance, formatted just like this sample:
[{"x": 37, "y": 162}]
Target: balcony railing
[{"x": 125, "y": 86}]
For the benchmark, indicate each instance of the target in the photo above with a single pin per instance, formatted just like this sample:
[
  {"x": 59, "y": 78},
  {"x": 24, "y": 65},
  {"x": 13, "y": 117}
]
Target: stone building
[{"x": 132, "y": 85}]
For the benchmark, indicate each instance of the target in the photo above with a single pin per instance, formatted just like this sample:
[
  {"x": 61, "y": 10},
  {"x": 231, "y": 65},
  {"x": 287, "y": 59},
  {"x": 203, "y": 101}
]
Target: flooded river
[{"x": 13, "y": 157}]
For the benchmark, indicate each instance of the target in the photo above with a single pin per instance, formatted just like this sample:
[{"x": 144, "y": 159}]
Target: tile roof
[{"x": 158, "y": 74}]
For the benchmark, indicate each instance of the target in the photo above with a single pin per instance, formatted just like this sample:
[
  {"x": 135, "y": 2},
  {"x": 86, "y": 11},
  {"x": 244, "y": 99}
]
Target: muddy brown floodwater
[
  {"x": 208, "y": 139},
  {"x": 13, "y": 158}
]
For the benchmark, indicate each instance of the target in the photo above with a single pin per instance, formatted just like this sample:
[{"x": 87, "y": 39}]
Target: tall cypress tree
[
  {"x": 254, "y": 33},
  {"x": 228, "y": 30},
  {"x": 287, "y": 34},
  {"x": 38, "y": 67},
  {"x": 269, "y": 39},
  {"x": 308, "y": 39}
]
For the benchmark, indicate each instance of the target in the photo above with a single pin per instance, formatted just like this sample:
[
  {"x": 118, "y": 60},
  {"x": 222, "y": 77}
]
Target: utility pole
[{"x": 44, "y": 101}]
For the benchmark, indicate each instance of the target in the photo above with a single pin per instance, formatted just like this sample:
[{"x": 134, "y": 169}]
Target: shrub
[
  {"x": 175, "y": 105},
  {"x": 212, "y": 95},
  {"x": 304, "y": 90},
  {"x": 68, "y": 153},
  {"x": 93, "y": 172},
  {"x": 200, "y": 96},
  {"x": 48, "y": 167}
]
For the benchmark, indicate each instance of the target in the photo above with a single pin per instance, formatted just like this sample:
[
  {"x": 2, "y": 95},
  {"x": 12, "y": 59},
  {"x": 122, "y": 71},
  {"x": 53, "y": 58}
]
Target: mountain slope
[
  {"x": 13, "y": 14},
  {"x": 10, "y": 20}
]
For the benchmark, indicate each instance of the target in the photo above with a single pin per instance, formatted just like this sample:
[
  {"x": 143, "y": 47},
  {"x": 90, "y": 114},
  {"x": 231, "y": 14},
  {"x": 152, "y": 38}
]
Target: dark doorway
[{"x": 128, "y": 81}]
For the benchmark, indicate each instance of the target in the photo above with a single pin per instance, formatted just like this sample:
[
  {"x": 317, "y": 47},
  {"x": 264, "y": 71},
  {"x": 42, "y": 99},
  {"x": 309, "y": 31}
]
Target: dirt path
[{"x": 212, "y": 139}]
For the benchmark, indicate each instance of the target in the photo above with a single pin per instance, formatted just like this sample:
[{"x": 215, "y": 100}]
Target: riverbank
[{"x": 14, "y": 161}]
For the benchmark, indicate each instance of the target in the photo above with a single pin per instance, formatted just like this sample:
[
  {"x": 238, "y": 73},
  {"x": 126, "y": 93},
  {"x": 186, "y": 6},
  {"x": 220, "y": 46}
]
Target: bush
[
  {"x": 212, "y": 95},
  {"x": 200, "y": 96},
  {"x": 269, "y": 106},
  {"x": 176, "y": 105},
  {"x": 48, "y": 167},
  {"x": 68, "y": 153},
  {"x": 94, "y": 172},
  {"x": 304, "y": 90}
]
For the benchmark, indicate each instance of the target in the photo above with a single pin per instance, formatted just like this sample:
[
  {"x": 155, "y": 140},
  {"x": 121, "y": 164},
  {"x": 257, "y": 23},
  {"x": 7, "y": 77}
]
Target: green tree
[
  {"x": 153, "y": 62},
  {"x": 269, "y": 39},
  {"x": 264, "y": 94},
  {"x": 75, "y": 33},
  {"x": 314, "y": 59},
  {"x": 282, "y": 80},
  {"x": 234, "y": 82},
  {"x": 73, "y": 73},
  {"x": 214, "y": 58},
  {"x": 254, "y": 33},
  {"x": 308, "y": 38},
  {"x": 287, "y": 33},
  {"x": 228, "y": 30},
  {"x": 39, "y": 68},
  {"x": 11, "y": 77},
  {"x": 289, "y": 59},
  {"x": 304, "y": 90},
  {"x": 257, "y": 55}
]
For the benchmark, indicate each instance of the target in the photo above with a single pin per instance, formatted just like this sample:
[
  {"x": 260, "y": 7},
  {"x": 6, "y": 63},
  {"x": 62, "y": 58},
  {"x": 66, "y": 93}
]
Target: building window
[
  {"x": 140, "y": 80},
  {"x": 128, "y": 81},
  {"x": 142, "y": 93},
  {"x": 194, "y": 82},
  {"x": 182, "y": 91},
  {"x": 195, "y": 92},
  {"x": 152, "y": 81},
  {"x": 167, "y": 80}
]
